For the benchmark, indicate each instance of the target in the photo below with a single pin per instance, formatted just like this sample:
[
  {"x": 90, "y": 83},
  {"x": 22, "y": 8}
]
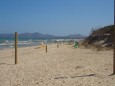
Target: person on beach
[
  {"x": 76, "y": 45},
  {"x": 42, "y": 45}
]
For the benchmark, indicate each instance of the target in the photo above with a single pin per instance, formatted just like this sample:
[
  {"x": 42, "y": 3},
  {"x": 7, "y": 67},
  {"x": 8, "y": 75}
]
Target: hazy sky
[{"x": 56, "y": 17}]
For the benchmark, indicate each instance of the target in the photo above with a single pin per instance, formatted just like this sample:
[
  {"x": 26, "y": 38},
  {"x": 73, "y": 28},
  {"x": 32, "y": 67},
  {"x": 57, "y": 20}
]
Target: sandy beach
[{"x": 63, "y": 66}]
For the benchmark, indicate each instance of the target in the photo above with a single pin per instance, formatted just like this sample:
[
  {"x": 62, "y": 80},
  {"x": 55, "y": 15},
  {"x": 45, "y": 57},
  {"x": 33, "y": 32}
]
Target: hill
[
  {"x": 41, "y": 36},
  {"x": 27, "y": 35},
  {"x": 100, "y": 38}
]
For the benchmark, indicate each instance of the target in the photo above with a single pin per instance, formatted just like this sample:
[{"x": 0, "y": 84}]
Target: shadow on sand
[
  {"x": 90, "y": 75},
  {"x": 111, "y": 74},
  {"x": 84, "y": 76},
  {"x": 6, "y": 64}
]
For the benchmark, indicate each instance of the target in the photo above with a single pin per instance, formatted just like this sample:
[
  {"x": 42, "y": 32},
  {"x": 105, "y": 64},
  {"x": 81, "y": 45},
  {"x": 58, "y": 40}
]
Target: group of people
[{"x": 76, "y": 44}]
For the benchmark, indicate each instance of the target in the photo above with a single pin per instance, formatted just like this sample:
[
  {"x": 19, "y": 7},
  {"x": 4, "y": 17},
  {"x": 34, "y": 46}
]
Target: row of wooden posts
[{"x": 16, "y": 45}]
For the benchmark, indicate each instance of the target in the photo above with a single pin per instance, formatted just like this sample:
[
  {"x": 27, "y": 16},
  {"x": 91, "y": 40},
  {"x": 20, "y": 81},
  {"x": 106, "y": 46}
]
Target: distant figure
[
  {"x": 71, "y": 42},
  {"x": 42, "y": 45},
  {"x": 76, "y": 44}
]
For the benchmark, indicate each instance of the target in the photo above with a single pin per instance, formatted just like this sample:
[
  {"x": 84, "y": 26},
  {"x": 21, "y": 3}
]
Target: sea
[{"x": 27, "y": 42}]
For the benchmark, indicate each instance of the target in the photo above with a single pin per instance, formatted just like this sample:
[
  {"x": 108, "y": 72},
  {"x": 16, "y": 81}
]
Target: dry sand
[{"x": 63, "y": 66}]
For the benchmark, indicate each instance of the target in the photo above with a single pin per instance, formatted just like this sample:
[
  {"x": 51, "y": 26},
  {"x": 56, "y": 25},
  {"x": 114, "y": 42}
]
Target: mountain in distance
[
  {"x": 73, "y": 36},
  {"x": 41, "y": 36},
  {"x": 35, "y": 35},
  {"x": 79, "y": 36}
]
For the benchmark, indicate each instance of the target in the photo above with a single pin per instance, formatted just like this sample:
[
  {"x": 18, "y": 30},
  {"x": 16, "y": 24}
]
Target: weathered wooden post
[
  {"x": 114, "y": 42},
  {"x": 57, "y": 45},
  {"x": 16, "y": 45},
  {"x": 46, "y": 48}
]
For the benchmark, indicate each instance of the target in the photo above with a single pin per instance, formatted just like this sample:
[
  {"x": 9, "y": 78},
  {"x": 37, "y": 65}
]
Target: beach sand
[{"x": 63, "y": 66}]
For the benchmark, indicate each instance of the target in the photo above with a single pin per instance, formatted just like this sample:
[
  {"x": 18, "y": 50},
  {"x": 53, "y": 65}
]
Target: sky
[{"x": 55, "y": 17}]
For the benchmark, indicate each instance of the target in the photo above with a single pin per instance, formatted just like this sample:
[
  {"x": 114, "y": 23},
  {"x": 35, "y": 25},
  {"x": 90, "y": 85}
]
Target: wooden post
[
  {"x": 57, "y": 45},
  {"x": 114, "y": 53},
  {"x": 46, "y": 48},
  {"x": 114, "y": 42},
  {"x": 16, "y": 41}
]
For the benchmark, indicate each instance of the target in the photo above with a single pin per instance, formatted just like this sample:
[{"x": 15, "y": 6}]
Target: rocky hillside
[{"x": 100, "y": 38}]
